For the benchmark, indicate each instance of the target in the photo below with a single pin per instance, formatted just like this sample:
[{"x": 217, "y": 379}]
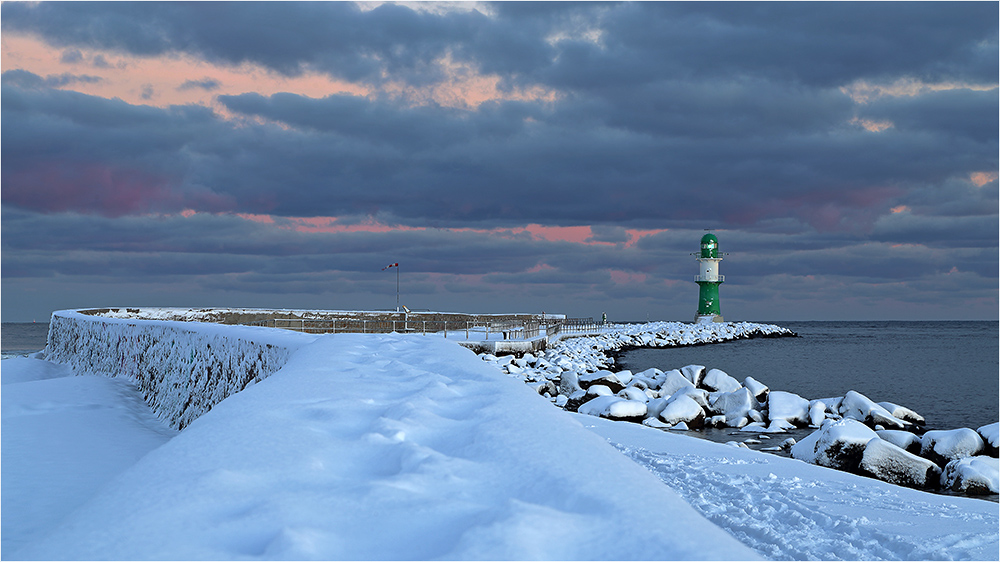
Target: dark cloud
[
  {"x": 207, "y": 84},
  {"x": 676, "y": 116}
]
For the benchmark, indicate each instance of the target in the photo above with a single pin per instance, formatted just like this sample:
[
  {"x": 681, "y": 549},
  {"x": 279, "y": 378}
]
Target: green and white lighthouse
[{"x": 708, "y": 280}]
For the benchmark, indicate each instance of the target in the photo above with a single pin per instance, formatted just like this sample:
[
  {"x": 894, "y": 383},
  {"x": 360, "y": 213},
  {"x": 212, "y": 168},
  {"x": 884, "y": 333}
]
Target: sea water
[
  {"x": 22, "y": 338},
  {"x": 945, "y": 371}
]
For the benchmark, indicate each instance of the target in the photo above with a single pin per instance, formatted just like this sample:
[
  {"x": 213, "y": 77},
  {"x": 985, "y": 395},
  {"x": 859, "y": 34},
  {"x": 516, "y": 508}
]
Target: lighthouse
[{"x": 708, "y": 280}]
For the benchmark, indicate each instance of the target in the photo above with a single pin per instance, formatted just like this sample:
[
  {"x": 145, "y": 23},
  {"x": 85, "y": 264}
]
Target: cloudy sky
[{"x": 511, "y": 157}]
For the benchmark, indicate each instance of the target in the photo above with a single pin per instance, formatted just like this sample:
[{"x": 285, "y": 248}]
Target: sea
[{"x": 22, "y": 338}]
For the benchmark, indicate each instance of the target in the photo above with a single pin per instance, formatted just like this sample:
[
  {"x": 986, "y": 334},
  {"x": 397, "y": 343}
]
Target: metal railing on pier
[{"x": 468, "y": 329}]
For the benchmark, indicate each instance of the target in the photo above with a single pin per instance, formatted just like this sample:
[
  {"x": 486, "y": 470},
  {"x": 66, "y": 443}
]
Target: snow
[
  {"x": 991, "y": 434},
  {"x": 403, "y": 446}
]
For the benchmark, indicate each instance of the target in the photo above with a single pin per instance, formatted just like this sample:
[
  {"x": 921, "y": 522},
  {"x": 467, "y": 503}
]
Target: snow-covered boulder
[
  {"x": 569, "y": 382},
  {"x": 545, "y": 388},
  {"x": 655, "y": 406},
  {"x": 614, "y": 408},
  {"x": 699, "y": 395},
  {"x": 576, "y": 400},
  {"x": 602, "y": 377},
  {"x": 947, "y": 445},
  {"x": 624, "y": 377},
  {"x": 634, "y": 393},
  {"x": 859, "y": 407},
  {"x": 717, "y": 380},
  {"x": 838, "y": 444},
  {"x": 734, "y": 406},
  {"x": 758, "y": 389},
  {"x": 892, "y": 464},
  {"x": 902, "y": 413},
  {"x": 673, "y": 381},
  {"x": 681, "y": 408},
  {"x": 972, "y": 475},
  {"x": 903, "y": 439},
  {"x": 694, "y": 373},
  {"x": 787, "y": 406},
  {"x": 817, "y": 413},
  {"x": 991, "y": 438}
]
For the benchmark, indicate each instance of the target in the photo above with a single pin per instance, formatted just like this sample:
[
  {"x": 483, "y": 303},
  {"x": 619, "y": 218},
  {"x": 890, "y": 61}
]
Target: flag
[{"x": 390, "y": 265}]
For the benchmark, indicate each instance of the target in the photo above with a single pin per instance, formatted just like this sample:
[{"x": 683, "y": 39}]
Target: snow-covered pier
[{"x": 401, "y": 446}]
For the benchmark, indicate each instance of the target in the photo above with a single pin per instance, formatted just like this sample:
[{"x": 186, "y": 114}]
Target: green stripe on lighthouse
[{"x": 708, "y": 280}]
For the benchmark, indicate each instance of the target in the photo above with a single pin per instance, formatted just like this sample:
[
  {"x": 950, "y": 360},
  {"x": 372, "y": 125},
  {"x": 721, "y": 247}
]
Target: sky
[{"x": 511, "y": 157}]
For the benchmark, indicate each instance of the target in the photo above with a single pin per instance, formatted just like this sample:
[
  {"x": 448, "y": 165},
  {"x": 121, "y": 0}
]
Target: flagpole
[{"x": 397, "y": 288}]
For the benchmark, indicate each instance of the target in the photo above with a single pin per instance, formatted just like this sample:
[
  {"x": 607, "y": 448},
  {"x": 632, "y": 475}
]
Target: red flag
[{"x": 390, "y": 265}]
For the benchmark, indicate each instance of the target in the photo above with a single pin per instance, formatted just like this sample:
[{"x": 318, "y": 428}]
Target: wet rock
[
  {"x": 577, "y": 399},
  {"x": 889, "y": 463}
]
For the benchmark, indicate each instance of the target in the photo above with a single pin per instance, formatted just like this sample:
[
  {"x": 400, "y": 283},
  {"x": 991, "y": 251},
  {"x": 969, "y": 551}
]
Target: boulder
[
  {"x": 973, "y": 475},
  {"x": 672, "y": 382},
  {"x": 699, "y": 395},
  {"x": 759, "y": 390},
  {"x": 837, "y": 444},
  {"x": 577, "y": 399},
  {"x": 902, "y": 439},
  {"x": 546, "y": 388},
  {"x": 624, "y": 377},
  {"x": 569, "y": 383},
  {"x": 681, "y": 408},
  {"x": 990, "y": 436},
  {"x": 602, "y": 377},
  {"x": 614, "y": 408},
  {"x": 889, "y": 463},
  {"x": 944, "y": 446},
  {"x": 655, "y": 406},
  {"x": 734, "y": 405},
  {"x": 717, "y": 380},
  {"x": 599, "y": 390},
  {"x": 905, "y": 414},
  {"x": 694, "y": 373},
  {"x": 817, "y": 413},
  {"x": 633, "y": 393},
  {"x": 859, "y": 407},
  {"x": 786, "y": 406}
]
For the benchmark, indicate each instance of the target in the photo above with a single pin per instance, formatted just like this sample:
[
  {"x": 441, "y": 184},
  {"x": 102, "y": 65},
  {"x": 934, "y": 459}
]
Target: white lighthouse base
[{"x": 707, "y": 318}]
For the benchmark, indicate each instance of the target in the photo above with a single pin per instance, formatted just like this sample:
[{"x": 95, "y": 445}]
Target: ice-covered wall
[{"x": 181, "y": 368}]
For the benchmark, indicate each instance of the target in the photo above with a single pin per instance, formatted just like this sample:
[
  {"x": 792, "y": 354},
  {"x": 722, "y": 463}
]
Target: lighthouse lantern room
[{"x": 708, "y": 280}]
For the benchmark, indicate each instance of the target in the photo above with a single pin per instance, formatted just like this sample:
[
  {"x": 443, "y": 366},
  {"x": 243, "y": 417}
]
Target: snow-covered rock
[
  {"x": 890, "y": 463},
  {"x": 910, "y": 442},
  {"x": 634, "y": 393},
  {"x": 972, "y": 475},
  {"x": 569, "y": 382},
  {"x": 673, "y": 381},
  {"x": 734, "y": 406},
  {"x": 682, "y": 408},
  {"x": 859, "y": 407},
  {"x": 717, "y": 380},
  {"x": 694, "y": 373},
  {"x": 614, "y": 408},
  {"x": 601, "y": 377},
  {"x": 942, "y": 446},
  {"x": 991, "y": 438},
  {"x": 838, "y": 444},
  {"x": 787, "y": 406},
  {"x": 817, "y": 413},
  {"x": 758, "y": 389},
  {"x": 905, "y": 414}
]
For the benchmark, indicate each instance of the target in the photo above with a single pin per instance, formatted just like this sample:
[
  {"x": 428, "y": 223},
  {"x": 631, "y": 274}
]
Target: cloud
[{"x": 207, "y": 84}]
